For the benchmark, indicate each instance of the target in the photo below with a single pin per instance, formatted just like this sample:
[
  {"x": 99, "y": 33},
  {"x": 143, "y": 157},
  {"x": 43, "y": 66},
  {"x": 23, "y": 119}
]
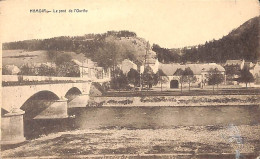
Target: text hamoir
[{"x": 58, "y": 11}]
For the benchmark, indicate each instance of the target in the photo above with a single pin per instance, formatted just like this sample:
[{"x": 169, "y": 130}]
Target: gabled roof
[
  {"x": 127, "y": 60},
  {"x": 233, "y": 62},
  {"x": 170, "y": 69}
]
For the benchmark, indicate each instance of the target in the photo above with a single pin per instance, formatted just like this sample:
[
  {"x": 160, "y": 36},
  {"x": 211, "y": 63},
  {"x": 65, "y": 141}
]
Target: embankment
[{"x": 207, "y": 100}]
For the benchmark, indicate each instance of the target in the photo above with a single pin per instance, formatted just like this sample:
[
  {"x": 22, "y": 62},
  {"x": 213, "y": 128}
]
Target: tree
[
  {"x": 215, "y": 77},
  {"x": 133, "y": 77},
  {"x": 45, "y": 70},
  {"x": 246, "y": 76},
  {"x": 62, "y": 58},
  {"x": 68, "y": 69},
  {"x": 26, "y": 70},
  {"x": 163, "y": 77},
  {"x": 179, "y": 72},
  {"x": 149, "y": 78},
  {"x": 119, "y": 81},
  {"x": 188, "y": 76}
]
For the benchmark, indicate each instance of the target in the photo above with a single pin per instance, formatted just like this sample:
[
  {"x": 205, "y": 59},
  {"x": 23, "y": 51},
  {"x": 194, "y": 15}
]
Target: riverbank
[
  {"x": 201, "y": 100},
  {"x": 179, "y": 142}
]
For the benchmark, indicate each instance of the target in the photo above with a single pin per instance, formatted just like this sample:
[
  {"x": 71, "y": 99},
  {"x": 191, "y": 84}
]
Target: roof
[
  {"x": 170, "y": 69},
  {"x": 87, "y": 63},
  {"x": 249, "y": 65},
  {"x": 233, "y": 62},
  {"x": 127, "y": 60}
]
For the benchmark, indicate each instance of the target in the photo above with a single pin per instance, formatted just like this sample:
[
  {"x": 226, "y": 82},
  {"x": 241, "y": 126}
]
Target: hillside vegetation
[
  {"x": 106, "y": 49},
  {"x": 241, "y": 43},
  {"x": 109, "y": 49}
]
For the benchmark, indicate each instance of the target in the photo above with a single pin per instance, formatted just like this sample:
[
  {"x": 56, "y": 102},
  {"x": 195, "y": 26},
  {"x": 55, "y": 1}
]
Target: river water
[{"x": 143, "y": 118}]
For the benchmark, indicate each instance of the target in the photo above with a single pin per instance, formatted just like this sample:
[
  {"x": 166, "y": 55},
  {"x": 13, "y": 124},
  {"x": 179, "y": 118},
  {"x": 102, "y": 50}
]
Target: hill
[
  {"x": 240, "y": 43},
  {"x": 110, "y": 48},
  {"x": 106, "y": 49}
]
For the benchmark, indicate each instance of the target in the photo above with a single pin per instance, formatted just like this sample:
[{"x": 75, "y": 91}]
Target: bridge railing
[
  {"x": 9, "y": 80},
  {"x": 16, "y": 78},
  {"x": 12, "y": 80}
]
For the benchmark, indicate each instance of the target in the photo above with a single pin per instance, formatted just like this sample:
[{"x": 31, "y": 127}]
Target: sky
[{"x": 169, "y": 23}]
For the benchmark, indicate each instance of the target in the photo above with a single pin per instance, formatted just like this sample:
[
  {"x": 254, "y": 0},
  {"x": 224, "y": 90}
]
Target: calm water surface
[{"x": 143, "y": 118}]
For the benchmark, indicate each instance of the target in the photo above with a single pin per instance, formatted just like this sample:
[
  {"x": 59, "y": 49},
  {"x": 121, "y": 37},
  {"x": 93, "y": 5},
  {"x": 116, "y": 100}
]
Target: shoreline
[{"x": 176, "y": 101}]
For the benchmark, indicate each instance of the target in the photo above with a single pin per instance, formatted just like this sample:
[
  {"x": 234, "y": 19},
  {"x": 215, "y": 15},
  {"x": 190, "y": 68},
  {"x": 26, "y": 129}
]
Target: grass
[{"x": 194, "y": 92}]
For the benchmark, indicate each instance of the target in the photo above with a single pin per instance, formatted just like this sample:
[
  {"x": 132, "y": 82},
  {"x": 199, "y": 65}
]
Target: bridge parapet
[{"x": 19, "y": 78}]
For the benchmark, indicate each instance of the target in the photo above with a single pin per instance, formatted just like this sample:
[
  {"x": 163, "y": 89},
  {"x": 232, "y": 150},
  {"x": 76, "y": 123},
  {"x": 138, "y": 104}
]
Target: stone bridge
[{"x": 38, "y": 98}]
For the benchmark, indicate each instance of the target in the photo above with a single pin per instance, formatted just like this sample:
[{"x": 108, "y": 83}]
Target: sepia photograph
[{"x": 130, "y": 79}]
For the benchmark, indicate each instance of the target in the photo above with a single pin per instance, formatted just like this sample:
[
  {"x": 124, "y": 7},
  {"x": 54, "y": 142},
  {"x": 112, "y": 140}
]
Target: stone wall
[{"x": 212, "y": 100}]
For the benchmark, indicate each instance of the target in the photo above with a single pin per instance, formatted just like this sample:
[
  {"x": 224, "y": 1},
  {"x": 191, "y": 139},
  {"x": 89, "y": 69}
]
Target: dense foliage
[
  {"x": 102, "y": 48},
  {"x": 241, "y": 43},
  {"x": 246, "y": 76},
  {"x": 215, "y": 77}
]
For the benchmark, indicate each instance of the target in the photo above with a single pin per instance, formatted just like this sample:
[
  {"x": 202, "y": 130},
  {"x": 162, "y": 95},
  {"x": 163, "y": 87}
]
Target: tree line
[{"x": 241, "y": 43}]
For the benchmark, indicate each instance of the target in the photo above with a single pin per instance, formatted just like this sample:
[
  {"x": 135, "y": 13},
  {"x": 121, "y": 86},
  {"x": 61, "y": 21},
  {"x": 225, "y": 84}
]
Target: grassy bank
[{"x": 186, "y": 92}]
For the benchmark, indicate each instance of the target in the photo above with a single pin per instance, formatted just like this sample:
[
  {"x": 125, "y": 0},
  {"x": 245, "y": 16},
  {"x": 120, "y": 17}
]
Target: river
[{"x": 143, "y": 118}]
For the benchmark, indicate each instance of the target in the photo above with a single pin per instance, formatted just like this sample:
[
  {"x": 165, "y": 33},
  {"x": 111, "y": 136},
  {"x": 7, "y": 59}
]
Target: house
[
  {"x": 235, "y": 63},
  {"x": 233, "y": 68},
  {"x": 127, "y": 65},
  {"x": 90, "y": 69},
  {"x": 200, "y": 71},
  {"x": 255, "y": 70},
  {"x": 150, "y": 60},
  {"x": 84, "y": 68}
]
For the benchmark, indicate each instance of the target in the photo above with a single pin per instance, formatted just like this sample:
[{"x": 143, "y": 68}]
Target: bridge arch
[
  {"x": 38, "y": 102},
  {"x": 72, "y": 93}
]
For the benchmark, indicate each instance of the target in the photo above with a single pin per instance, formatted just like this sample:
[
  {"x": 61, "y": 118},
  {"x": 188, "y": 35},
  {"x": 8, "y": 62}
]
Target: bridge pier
[
  {"x": 80, "y": 101},
  {"x": 58, "y": 109},
  {"x": 12, "y": 127}
]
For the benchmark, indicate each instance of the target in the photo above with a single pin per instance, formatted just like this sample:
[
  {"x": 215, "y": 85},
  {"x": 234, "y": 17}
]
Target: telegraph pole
[{"x": 146, "y": 52}]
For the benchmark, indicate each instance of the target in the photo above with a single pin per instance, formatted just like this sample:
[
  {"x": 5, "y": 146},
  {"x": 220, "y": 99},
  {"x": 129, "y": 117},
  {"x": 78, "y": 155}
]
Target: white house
[{"x": 201, "y": 72}]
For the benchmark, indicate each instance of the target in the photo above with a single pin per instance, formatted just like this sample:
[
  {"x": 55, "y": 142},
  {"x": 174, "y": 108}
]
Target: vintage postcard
[{"x": 130, "y": 79}]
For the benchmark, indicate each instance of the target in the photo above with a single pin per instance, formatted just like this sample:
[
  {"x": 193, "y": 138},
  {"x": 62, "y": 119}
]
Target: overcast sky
[{"x": 169, "y": 23}]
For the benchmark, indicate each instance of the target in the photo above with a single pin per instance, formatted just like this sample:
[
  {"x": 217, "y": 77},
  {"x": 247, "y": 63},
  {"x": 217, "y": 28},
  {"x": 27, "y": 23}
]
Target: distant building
[
  {"x": 235, "y": 63},
  {"x": 127, "y": 65},
  {"x": 90, "y": 69},
  {"x": 152, "y": 61},
  {"x": 255, "y": 70},
  {"x": 233, "y": 68},
  {"x": 201, "y": 72}
]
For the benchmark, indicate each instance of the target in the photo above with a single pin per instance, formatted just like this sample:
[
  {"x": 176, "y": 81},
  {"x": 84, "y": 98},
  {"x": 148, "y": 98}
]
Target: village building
[
  {"x": 90, "y": 69},
  {"x": 233, "y": 68},
  {"x": 150, "y": 60},
  {"x": 200, "y": 71},
  {"x": 255, "y": 70},
  {"x": 127, "y": 65}
]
